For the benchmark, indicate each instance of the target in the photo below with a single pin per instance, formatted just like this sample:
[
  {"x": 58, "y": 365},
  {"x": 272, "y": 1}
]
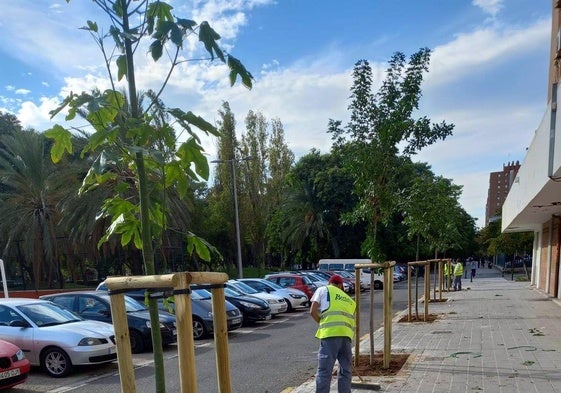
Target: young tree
[
  {"x": 126, "y": 137},
  {"x": 369, "y": 146},
  {"x": 381, "y": 124}
]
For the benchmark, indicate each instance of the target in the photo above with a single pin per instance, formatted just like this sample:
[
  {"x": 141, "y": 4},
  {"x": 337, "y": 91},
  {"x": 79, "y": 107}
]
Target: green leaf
[
  {"x": 121, "y": 67},
  {"x": 92, "y": 26},
  {"x": 62, "y": 142},
  {"x": 190, "y": 152},
  {"x": 191, "y": 118},
  {"x": 156, "y": 50},
  {"x": 208, "y": 37},
  {"x": 237, "y": 68},
  {"x": 176, "y": 36},
  {"x": 186, "y": 23},
  {"x": 160, "y": 11},
  {"x": 195, "y": 243},
  {"x": 64, "y": 103}
]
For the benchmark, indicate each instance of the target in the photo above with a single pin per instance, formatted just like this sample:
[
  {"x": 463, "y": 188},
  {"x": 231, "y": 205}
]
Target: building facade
[
  {"x": 534, "y": 201},
  {"x": 499, "y": 186}
]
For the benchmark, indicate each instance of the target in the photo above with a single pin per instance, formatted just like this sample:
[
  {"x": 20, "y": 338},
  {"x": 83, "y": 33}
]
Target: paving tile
[{"x": 498, "y": 336}]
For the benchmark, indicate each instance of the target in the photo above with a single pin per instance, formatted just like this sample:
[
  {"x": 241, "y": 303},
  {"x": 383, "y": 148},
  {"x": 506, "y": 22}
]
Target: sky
[{"x": 487, "y": 75}]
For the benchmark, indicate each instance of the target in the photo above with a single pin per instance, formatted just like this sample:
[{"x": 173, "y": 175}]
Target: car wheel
[
  {"x": 56, "y": 362},
  {"x": 199, "y": 329},
  {"x": 137, "y": 343},
  {"x": 378, "y": 285},
  {"x": 289, "y": 307}
]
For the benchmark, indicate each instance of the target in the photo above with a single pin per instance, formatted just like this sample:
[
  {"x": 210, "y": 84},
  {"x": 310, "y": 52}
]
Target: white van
[{"x": 349, "y": 265}]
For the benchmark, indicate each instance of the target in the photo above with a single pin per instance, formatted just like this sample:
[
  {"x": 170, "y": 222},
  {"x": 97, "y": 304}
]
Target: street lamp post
[{"x": 233, "y": 162}]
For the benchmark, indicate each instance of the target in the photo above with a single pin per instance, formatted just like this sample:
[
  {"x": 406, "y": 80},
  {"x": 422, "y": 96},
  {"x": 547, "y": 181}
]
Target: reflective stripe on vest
[{"x": 338, "y": 320}]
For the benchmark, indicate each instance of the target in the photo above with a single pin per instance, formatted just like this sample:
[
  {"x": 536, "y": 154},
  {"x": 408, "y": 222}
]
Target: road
[{"x": 265, "y": 358}]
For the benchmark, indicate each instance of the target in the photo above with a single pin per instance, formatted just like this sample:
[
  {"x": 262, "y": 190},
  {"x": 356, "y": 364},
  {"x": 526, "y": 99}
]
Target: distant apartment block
[{"x": 499, "y": 186}]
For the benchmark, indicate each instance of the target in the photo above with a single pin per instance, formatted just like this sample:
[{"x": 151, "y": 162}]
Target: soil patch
[
  {"x": 430, "y": 318},
  {"x": 364, "y": 369}
]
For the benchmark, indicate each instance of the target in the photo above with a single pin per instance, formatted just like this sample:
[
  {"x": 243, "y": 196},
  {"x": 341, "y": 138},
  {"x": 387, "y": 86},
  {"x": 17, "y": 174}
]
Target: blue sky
[{"x": 488, "y": 71}]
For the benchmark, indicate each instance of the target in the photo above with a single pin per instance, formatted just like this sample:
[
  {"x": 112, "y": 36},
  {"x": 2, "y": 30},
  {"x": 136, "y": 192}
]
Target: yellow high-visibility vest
[
  {"x": 338, "y": 320},
  {"x": 458, "y": 269}
]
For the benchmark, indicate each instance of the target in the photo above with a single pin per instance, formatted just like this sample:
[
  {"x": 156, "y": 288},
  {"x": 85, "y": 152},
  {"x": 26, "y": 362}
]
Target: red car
[
  {"x": 297, "y": 281},
  {"x": 14, "y": 366}
]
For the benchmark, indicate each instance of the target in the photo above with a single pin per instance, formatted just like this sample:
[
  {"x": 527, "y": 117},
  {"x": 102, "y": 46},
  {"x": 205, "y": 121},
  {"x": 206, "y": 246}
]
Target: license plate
[
  {"x": 236, "y": 320},
  {"x": 268, "y": 317},
  {"x": 174, "y": 332},
  {"x": 9, "y": 373}
]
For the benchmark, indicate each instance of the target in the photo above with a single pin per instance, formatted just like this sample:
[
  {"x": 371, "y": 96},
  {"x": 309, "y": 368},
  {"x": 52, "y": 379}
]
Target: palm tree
[{"x": 29, "y": 203}]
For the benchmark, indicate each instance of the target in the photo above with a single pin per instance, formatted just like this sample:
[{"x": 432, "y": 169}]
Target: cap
[{"x": 335, "y": 279}]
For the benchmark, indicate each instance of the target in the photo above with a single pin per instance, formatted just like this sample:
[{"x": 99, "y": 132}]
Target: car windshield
[
  {"x": 48, "y": 314},
  {"x": 271, "y": 284},
  {"x": 313, "y": 277},
  {"x": 131, "y": 305},
  {"x": 232, "y": 292},
  {"x": 242, "y": 287},
  {"x": 200, "y": 294}
]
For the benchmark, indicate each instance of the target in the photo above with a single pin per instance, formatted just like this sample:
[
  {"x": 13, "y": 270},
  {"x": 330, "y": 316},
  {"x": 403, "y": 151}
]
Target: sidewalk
[{"x": 495, "y": 335}]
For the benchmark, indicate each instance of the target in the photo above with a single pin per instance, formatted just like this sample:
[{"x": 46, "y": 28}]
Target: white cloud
[
  {"x": 474, "y": 52},
  {"x": 491, "y": 7},
  {"x": 306, "y": 94},
  {"x": 22, "y": 92}
]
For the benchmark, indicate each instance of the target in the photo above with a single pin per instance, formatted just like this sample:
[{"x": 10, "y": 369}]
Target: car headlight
[
  {"x": 89, "y": 341},
  {"x": 149, "y": 325},
  {"x": 295, "y": 296},
  {"x": 18, "y": 356},
  {"x": 249, "y": 305}
]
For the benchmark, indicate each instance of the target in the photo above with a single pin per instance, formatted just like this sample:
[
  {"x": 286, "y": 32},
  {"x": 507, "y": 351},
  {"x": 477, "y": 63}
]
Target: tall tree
[
  {"x": 125, "y": 136},
  {"x": 431, "y": 211},
  {"x": 380, "y": 125},
  {"x": 32, "y": 188}
]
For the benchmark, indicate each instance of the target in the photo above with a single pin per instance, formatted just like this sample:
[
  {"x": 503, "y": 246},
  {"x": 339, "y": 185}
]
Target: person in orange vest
[{"x": 334, "y": 311}]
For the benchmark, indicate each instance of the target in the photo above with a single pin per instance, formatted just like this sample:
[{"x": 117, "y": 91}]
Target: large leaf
[
  {"x": 121, "y": 67},
  {"x": 191, "y": 118},
  {"x": 62, "y": 142},
  {"x": 237, "y": 68},
  {"x": 198, "y": 245},
  {"x": 208, "y": 37},
  {"x": 190, "y": 152}
]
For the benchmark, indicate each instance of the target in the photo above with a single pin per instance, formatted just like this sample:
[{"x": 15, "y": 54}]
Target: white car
[
  {"x": 276, "y": 303},
  {"x": 53, "y": 337},
  {"x": 294, "y": 297}
]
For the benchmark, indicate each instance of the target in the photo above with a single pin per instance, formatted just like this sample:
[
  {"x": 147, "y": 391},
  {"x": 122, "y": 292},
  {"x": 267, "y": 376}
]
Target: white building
[{"x": 534, "y": 200}]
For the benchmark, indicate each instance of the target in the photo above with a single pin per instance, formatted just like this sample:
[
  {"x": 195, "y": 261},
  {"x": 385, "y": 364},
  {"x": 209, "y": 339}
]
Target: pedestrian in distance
[
  {"x": 334, "y": 311},
  {"x": 473, "y": 270},
  {"x": 458, "y": 272}
]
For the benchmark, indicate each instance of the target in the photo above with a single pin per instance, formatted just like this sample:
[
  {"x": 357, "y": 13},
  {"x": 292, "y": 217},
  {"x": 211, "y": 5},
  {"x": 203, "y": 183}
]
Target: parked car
[
  {"x": 201, "y": 310},
  {"x": 350, "y": 278},
  {"x": 96, "y": 305},
  {"x": 348, "y": 285},
  {"x": 297, "y": 281},
  {"x": 276, "y": 303},
  {"x": 253, "y": 309},
  {"x": 14, "y": 366},
  {"x": 53, "y": 337},
  {"x": 294, "y": 298}
]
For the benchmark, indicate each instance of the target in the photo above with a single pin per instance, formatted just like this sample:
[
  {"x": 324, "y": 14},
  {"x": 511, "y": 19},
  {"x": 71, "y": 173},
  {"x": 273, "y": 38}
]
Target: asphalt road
[{"x": 265, "y": 358}]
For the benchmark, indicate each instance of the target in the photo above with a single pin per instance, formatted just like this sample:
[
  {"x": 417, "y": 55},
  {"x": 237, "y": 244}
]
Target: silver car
[
  {"x": 53, "y": 337},
  {"x": 293, "y": 297}
]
